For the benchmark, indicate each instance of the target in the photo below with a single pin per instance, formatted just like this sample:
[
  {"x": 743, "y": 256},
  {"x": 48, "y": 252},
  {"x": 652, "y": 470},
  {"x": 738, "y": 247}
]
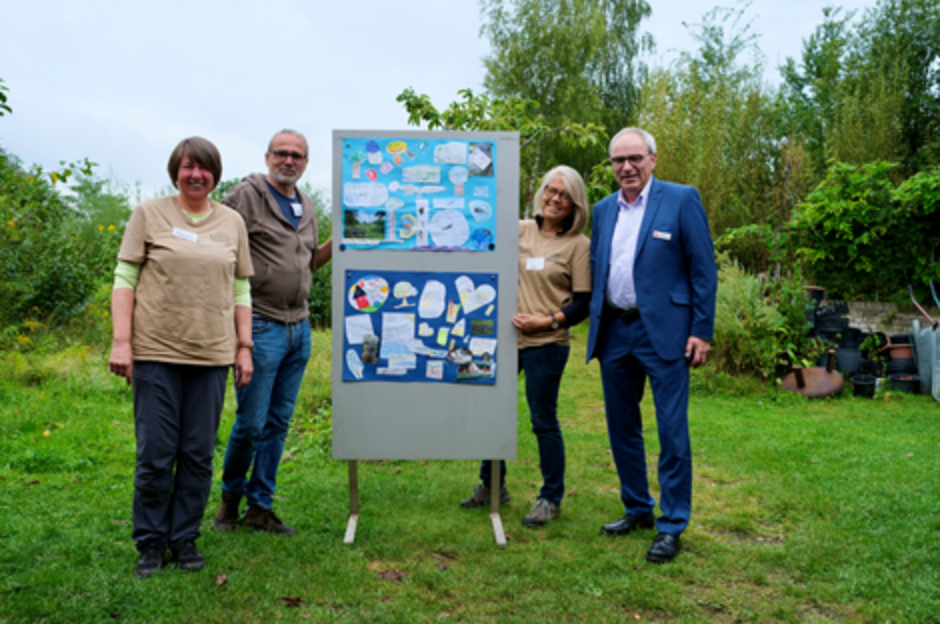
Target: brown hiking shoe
[
  {"x": 542, "y": 513},
  {"x": 481, "y": 497},
  {"x": 266, "y": 520},
  {"x": 227, "y": 518}
]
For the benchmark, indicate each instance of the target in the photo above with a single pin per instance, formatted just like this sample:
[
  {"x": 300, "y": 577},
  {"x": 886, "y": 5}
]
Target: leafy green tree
[
  {"x": 578, "y": 59},
  {"x": 485, "y": 113},
  {"x": 4, "y": 107}
]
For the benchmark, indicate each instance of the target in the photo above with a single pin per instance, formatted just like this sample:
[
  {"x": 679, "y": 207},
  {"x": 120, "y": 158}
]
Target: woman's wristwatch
[
  {"x": 246, "y": 345},
  {"x": 554, "y": 322}
]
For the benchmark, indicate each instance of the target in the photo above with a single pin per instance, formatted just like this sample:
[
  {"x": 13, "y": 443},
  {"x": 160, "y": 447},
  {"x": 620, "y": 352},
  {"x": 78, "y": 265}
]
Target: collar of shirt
[{"x": 640, "y": 200}]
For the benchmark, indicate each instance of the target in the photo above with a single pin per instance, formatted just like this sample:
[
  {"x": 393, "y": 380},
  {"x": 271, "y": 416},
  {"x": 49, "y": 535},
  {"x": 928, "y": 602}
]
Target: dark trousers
[
  {"x": 176, "y": 416},
  {"x": 544, "y": 367},
  {"x": 627, "y": 358}
]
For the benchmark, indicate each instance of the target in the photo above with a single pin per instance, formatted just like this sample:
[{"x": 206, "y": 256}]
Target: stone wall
[{"x": 872, "y": 316}]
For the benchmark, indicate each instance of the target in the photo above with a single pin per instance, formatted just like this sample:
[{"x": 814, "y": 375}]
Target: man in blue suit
[{"x": 652, "y": 315}]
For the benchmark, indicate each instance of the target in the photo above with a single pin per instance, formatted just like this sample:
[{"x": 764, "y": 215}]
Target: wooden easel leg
[
  {"x": 494, "y": 504},
  {"x": 353, "y": 502}
]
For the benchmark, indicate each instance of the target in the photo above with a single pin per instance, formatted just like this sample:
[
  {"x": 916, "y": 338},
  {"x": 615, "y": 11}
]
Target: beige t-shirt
[
  {"x": 551, "y": 268},
  {"x": 184, "y": 310}
]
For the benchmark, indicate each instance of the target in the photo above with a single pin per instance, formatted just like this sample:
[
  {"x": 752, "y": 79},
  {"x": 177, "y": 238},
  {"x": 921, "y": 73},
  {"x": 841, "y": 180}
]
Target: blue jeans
[
  {"x": 543, "y": 368},
  {"x": 265, "y": 408}
]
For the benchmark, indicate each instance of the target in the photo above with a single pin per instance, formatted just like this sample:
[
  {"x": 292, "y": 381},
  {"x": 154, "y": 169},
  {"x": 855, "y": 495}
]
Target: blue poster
[
  {"x": 419, "y": 194},
  {"x": 406, "y": 326}
]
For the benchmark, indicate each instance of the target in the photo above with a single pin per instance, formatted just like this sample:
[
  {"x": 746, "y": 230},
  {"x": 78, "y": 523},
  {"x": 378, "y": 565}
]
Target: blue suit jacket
[{"x": 674, "y": 272}]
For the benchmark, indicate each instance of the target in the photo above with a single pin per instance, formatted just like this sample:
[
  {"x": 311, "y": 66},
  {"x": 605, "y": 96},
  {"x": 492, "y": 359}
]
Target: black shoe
[
  {"x": 151, "y": 560},
  {"x": 664, "y": 549},
  {"x": 188, "y": 558},
  {"x": 628, "y": 524}
]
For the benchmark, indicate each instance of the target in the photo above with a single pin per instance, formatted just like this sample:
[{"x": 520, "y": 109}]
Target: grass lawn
[{"x": 803, "y": 512}]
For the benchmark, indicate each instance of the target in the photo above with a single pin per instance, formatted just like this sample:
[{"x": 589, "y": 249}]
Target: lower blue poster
[{"x": 406, "y": 326}]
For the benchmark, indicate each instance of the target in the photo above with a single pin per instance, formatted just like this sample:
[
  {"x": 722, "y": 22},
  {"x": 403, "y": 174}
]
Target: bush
[
  {"x": 320, "y": 299},
  {"x": 757, "y": 320}
]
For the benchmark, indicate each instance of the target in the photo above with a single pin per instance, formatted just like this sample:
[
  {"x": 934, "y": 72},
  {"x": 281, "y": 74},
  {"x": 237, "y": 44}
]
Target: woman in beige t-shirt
[
  {"x": 554, "y": 294},
  {"x": 181, "y": 309}
]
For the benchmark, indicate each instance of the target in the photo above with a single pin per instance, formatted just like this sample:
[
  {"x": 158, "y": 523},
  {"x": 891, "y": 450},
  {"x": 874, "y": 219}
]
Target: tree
[
  {"x": 579, "y": 59},
  {"x": 485, "y": 113},
  {"x": 4, "y": 107}
]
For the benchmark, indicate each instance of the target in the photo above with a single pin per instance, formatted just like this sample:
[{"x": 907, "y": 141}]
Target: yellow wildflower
[
  {"x": 110, "y": 228},
  {"x": 24, "y": 340},
  {"x": 100, "y": 227},
  {"x": 12, "y": 223}
]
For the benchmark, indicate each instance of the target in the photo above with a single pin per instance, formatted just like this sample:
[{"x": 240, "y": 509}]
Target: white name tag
[
  {"x": 535, "y": 264},
  {"x": 662, "y": 235},
  {"x": 298, "y": 209},
  {"x": 185, "y": 235}
]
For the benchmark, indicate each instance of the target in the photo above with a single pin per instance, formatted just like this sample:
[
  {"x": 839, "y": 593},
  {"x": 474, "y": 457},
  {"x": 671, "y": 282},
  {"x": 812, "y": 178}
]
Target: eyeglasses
[
  {"x": 634, "y": 159},
  {"x": 285, "y": 154},
  {"x": 552, "y": 193}
]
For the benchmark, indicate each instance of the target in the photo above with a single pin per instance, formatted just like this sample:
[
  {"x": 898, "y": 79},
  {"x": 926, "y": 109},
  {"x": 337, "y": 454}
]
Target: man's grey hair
[
  {"x": 291, "y": 132},
  {"x": 643, "y": 134}
]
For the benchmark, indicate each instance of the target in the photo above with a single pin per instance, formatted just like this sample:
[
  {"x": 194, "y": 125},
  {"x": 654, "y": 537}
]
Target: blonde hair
[{"x": 574, "y": 186}]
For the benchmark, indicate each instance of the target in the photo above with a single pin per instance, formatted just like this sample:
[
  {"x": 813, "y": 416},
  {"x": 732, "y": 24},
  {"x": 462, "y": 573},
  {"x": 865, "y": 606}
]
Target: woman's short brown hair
[
  {"x": 574, "y": 186},
  {"x": 200, "y": 150}
]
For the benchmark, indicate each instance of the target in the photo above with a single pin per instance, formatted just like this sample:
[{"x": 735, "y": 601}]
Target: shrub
[{"x": 757, "y": 320}]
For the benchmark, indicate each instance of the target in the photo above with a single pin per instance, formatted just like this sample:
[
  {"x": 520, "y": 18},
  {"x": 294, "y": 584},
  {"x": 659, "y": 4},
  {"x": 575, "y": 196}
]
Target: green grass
[{"x": 803, "y": 512}]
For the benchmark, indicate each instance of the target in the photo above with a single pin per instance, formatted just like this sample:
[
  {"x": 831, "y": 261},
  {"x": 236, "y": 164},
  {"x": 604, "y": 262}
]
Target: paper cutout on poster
[
  {"x": 364, "y": 194},
  {"x": 403, "y": 360},
  {"x": 397, "y": 372},
  {"x": 464, "y": 287},
  {"x": 480, "y": 210},
  {"x": 452, "y": 310},
  {"x": 452, "y": 203},
  {"x": 432, "y": 300},
  {"x": 374, "y": 152},
  {"x": 449, "y": 229},
  {"x": 398, "y": 328},
  {"x": 357, "y": 327},
  {"x": 453, "y": 153},
  {"x": 402, "y": 291},
  {"x": 435, "y": 370},
  {"x": 479, "y": 298},
  {"x": 368, "y": 294},
  {"x": 442, "y": 336},
  {"x": 357, "y": 158},
  {"x": 481, "y": 161},
  {"x": 459, "y": 329},
  {"x": 424, "y": 330},
  {"x": 421, "y": 174},
  {"x": 480, "y": 346},
  {"x": 354, "y": 363}
]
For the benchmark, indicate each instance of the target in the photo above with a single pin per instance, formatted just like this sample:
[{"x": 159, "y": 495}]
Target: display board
[{"x": 425, "y": 274}]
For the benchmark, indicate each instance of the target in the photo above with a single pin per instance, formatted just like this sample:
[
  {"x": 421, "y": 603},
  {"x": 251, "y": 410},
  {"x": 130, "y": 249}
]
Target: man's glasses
[
  {"x": 285, "y": 154},
  {"x": 634, "y": 159}
]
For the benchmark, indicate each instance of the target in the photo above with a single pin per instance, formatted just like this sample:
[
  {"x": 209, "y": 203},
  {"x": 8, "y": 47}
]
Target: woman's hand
[
  {"x": 121, "y": 362},
  {"x": 244, "y": 368},
  {"x": 531, "y": 324}
]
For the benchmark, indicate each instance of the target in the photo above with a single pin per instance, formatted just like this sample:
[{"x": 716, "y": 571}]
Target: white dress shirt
[{"x": 620, "y": 286}]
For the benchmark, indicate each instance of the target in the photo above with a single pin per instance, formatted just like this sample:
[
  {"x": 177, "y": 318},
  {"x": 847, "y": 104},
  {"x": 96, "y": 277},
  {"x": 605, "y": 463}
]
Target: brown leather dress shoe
[
  {"x": 628, "y": 524},
  {"x": 664, "y": 549}
]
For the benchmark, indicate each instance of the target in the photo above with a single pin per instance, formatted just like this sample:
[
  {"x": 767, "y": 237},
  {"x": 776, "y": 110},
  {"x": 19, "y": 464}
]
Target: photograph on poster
[
  {"x": 436, "y": 337},
  {"x": 411, "y": 194}
]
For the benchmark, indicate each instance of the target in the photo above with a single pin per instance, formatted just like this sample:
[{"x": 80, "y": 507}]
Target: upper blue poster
[{"x": 419, "y": 194}]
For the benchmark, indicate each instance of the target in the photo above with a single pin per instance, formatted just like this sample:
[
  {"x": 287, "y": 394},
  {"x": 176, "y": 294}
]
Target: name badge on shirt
[
  {"x": 662, "y": 235},
  {"x": 297, "y": 208},
  {"x": 185, "y": 235},
  {"x": 535, "y": 264}
]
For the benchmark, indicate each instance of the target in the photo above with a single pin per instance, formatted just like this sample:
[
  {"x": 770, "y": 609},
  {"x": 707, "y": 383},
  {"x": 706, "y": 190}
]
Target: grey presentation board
[{"x": 415, "y": 208}]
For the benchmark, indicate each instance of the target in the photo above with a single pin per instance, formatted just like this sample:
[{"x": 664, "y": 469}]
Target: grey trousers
[{"x": 177, "y": 408}]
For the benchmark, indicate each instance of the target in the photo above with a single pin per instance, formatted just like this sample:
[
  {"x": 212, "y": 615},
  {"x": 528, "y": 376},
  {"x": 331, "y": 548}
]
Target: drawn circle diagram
[
  {"x": 409, "y": 225},
  {"x": 368, "y": 294},
  {"x": 449, "y": 228}
]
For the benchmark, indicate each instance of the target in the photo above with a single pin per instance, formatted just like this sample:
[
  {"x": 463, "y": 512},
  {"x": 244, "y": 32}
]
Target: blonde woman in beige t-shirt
[
  {"x": 554, "y": 294},
  {"x": 181, "y": 309}
]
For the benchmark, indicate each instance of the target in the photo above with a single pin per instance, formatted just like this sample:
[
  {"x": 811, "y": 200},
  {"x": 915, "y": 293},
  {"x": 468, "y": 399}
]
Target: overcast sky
[{"x": 122, "y": 82}]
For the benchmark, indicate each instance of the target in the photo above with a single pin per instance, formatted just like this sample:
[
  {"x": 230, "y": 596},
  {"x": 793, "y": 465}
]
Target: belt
[{"x": 627, "y": 316}]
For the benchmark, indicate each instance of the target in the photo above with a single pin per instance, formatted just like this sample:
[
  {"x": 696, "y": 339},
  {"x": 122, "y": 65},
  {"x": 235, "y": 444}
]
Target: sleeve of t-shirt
[
  {"x": 243, "y": 266},
  {"x": 581, "y": 266},
  {"x": 134, "y": 244}
]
